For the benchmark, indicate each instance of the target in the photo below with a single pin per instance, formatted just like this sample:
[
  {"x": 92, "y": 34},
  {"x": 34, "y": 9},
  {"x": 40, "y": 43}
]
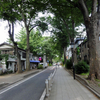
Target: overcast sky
[{"x": 4, "y": 29}]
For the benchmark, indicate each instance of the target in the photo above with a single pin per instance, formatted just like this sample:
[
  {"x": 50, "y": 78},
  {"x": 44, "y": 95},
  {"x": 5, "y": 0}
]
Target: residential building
[
  {"x": 6, "y": 48},
  {"x": 84, "y": 51},
  {"x": 77, "y": 42}
]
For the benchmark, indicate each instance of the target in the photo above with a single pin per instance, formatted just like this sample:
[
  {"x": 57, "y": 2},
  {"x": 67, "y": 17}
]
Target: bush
[
  {"x": 40, "y": 66},
  {"x": 81, "y": 67},
  {"x": 50, "y": 64},
  {"x": 10, "y": 71},
  {"x": 69, "y": 64},
  {"x": 63, "y": 61}
]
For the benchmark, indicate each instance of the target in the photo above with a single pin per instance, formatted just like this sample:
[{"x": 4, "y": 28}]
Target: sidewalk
[
  {"x": 66, "y": 88},
  {"x": 9, "y": 79}
]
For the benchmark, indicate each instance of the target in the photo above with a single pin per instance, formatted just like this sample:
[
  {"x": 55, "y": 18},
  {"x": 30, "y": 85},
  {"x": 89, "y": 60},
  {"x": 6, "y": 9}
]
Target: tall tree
[
  {"x": 6, "y": 13},
  {"x": 61, "y": 35},
  {"x": 68, "y": 17},
  {"x": 47, "y": 48},
  {"x": 92, "y": 25},
  {"x": 35, "y": 41},
  {"x": 29, "y": 10},
  {"x": 90, "y": 12}
]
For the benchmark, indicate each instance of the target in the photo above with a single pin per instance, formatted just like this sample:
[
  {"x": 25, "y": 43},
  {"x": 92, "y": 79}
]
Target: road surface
[{"x": 28, "y": 89}]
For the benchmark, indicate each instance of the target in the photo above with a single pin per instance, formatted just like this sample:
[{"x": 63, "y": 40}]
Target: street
[{"x": 30, "y": 89}]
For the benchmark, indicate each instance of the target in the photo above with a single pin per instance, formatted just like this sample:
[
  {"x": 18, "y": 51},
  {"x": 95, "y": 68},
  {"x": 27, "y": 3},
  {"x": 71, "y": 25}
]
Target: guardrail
[{"x": 48, "y": 84}]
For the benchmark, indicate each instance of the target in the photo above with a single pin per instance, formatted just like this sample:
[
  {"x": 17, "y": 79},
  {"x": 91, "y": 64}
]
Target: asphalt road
[{"x": 30, "y": 89}]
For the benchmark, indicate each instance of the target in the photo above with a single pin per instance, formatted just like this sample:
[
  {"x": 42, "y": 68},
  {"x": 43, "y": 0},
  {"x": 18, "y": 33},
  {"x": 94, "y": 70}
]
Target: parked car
[
  {"x": 1, "y": 70},
  {"x": 41, "y": 63},
  {"x": 45, "y": 66}
]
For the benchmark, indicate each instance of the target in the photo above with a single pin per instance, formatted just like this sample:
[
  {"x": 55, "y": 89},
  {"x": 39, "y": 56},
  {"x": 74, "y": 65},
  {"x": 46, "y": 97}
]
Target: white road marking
[{"x": 10, "y": 87}]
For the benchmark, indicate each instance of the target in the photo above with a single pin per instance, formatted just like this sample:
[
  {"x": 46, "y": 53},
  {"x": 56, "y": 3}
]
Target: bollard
[
  {"x": 49, "y": 83},
  {"x": 54, "y": 72},
  {"x": 47, "y": 88},
  {"x": 51, "y": 79}
]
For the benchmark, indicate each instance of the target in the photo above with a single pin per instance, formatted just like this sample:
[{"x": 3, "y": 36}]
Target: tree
[
  {"x": 61, "y": 35},
  {"x": 29, "y": 10},
  {"x": 35, "y": 41},
  {"x": 68, "y": 17},
  {"x": 92, "y": 25},
  {"x": 47, "y": 48},
  {"x": 90, "y": 12},
  {"x": 6, "y": 13},
  {"x": 38, "y": 44}
]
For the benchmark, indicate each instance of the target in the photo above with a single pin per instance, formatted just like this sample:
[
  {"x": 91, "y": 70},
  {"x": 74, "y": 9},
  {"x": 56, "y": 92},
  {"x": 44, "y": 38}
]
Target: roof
[
  {"x": 12, "y": 60},
  {"x": 79, "y": 39},
  {"x": 83, "y": 43},
  {"x": 12, "y": 47},
  {"x": 34, "y": 61},
  {"x": 5, "y": 43}
]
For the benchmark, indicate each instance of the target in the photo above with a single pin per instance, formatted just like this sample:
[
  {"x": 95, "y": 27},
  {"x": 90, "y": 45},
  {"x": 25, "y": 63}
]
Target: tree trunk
[
  {"x": 65, "y": 55},
  {"x": 18, "y": 59},
  {"x": 75, "y": 57},
  {"x": 11, "y": 35},
  {"x": 81, "y": 52},
  {"x": 94, "y": 48},
  {"x": 72, "y": 50},
  {"x": 92, "y": 29},
  {"x": 27, "y": 53}
]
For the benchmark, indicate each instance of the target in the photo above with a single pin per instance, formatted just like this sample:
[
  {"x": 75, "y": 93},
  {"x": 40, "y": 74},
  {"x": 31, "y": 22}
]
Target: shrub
[
  {"x": 40, "y": 66},
  {"x": 50, "y": 64},
  {"x": 63, "y": 61},
  {"x": 78, "y": 50},
  {"x": 81, "y": 67},
  {"x": 69, "y": 64},
  {"x": 10, "y": 71}
]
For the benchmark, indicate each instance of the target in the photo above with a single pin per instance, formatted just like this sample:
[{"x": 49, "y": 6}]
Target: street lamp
[{"x": 72, "y": 47}]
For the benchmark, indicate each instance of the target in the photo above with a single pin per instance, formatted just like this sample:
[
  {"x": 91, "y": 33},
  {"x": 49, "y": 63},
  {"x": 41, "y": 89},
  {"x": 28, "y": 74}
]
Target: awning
[{"x": 33, "y": 61}]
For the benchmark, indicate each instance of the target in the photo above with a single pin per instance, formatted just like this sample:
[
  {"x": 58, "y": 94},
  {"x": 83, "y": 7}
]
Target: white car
[
  {"x": 1, "y": 70},
  {"x": 44, "y": 65},
  {"x": 41, "y": 63}
]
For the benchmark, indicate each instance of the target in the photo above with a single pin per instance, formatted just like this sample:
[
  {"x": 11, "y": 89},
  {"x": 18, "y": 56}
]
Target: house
[
  {"x": 77, "y": 42},
  {"x": 68, "y": 53},
  {"x": 6, "y": 48},
  {"x": 84, "y": 51},
  {"x": 34, "y": 61}
]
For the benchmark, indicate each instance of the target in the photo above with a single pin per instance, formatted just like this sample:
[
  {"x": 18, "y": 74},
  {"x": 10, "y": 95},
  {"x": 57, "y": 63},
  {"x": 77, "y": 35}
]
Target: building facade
[{"x": 6, "y": 48}]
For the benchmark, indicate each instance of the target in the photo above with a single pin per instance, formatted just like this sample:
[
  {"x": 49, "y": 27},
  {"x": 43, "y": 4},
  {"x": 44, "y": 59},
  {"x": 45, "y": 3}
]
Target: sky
[{"x": 4, "y": 29}]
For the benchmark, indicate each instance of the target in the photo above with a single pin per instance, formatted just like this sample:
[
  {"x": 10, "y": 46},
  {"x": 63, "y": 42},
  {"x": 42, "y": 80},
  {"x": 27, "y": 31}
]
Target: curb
[
  {"x": 43, "y": 95},
  {"x": 25, "y": 76},
  {"x": 85, "y": 83},
  {"x": 88, "y": 86},
  {"x": 44, "y": 92}
]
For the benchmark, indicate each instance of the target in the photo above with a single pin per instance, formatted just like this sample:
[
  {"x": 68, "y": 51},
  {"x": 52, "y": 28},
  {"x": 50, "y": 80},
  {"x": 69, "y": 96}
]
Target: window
[
  {"x": 85, "y": 58},
  {"x": 23, "y": 55},
  {"x": 10, "y": 64}
]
